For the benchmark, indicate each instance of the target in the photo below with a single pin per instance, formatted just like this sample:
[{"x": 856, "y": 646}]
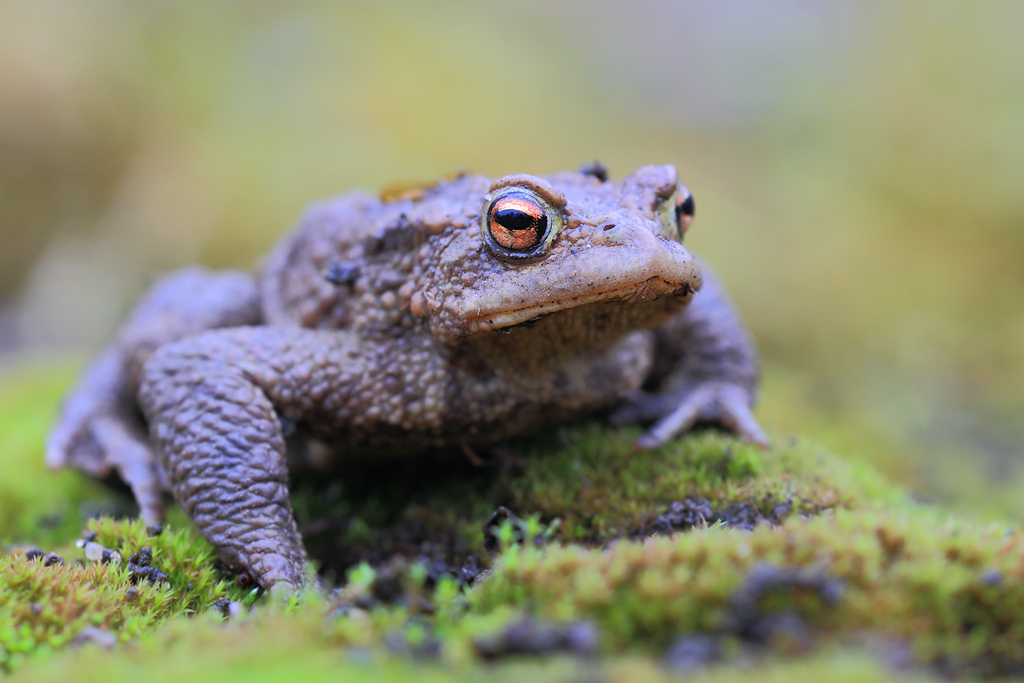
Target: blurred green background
[{"x": 858, "y": 168}]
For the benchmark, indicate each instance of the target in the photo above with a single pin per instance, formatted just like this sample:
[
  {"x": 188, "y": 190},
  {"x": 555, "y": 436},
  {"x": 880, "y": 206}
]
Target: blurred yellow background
[{"x": 858, "y": 169}]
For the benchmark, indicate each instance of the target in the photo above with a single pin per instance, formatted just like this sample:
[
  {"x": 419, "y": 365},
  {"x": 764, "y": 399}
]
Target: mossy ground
[{"x": 833, "y": 572}]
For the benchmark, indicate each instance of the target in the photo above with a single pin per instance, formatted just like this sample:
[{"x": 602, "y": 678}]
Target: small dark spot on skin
[
  {"x": 400, "y": 236},
  {"x": 595, "y": 169},
  {"x": 342, "y": 273}
]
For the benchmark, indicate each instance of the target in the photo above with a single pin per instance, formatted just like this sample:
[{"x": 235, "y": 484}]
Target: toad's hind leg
[{"x": 99, "y": 429}]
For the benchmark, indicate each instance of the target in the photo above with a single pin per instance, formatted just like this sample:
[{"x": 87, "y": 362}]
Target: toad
[{"x": 463, "y": 313}]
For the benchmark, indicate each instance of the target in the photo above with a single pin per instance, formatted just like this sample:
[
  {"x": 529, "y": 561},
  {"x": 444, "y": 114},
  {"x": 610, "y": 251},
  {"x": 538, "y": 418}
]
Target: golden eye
[
  {"x": 684, "y": 209},
  {"x": 676, "y": 213},
  {"x": 516, "y": 221}
]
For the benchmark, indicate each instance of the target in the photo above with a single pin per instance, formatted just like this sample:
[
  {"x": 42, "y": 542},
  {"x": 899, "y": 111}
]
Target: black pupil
[
  {"x": 516, "y": 220},
  {"x": 686, "y": 208}
]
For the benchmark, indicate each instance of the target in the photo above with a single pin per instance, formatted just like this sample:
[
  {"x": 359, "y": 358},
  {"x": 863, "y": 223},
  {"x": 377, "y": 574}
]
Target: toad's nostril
[{"x": 608, "y": 226}]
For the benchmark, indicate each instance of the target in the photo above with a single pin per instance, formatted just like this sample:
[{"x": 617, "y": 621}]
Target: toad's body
[{"x": 462, "y": 313}]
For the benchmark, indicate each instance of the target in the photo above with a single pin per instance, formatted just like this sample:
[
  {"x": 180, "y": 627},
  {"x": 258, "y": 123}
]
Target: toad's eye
[
  {"x": 684, "y": 209},
  {"x": 517, "y": 222},
  {"x": 676, "y": 213}
]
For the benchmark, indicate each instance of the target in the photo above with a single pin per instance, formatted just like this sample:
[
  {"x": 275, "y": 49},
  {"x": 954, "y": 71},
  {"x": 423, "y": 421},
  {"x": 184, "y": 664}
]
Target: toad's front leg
[
  {"x": 706, "y": 370},
  {"x": 213, "y": 403}
]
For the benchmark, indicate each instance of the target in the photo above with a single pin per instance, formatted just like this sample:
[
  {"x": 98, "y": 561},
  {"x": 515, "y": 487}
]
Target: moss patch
[
  {"x": 826, "y": 558},
  {"x": 587, "y": 483},
  {"x": 38, "y": 506},
  {"x": 48, "y": 601},
  {"x": 954, "y": 592}
]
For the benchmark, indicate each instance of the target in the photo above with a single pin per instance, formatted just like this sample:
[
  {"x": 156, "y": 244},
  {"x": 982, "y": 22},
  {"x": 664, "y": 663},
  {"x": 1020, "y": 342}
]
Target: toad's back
[{"x": 354, "y": 261}]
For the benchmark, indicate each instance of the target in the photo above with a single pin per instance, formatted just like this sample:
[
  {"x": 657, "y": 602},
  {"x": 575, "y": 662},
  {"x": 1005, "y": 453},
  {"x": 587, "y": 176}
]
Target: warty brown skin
[{"x": 394, "y": 326}]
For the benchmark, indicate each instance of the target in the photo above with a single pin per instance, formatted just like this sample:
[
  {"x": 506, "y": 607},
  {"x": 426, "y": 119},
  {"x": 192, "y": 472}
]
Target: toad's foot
[
  {"x": 724, "y": 403},
  {"x": 98, "y": 434}
]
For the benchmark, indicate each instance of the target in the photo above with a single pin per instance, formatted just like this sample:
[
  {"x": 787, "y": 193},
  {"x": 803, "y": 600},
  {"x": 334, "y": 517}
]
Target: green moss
[
  {"x": 588, "y": 479},
  {"x": 45, "y": 607},
  {"x": 954, "y": 591},
  {"x": 37, "y": 505},
  {"x": 950, "y": 590},
  {"x": 289, "y": 648},
  {"x": 601, "y": 488}
]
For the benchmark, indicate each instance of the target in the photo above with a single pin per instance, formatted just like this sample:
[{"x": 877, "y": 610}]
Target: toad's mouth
[
  {"x": 626, "y": 274},
  {"x": 643, "y": 291}
]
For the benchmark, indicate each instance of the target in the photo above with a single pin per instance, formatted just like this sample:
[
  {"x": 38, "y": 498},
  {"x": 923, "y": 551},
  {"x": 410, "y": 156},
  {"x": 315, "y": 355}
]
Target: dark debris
[
  {"x": 693, "y": 651},
  {"x": 229, "y": 609},
  {"x": 342, "y": 272},
  {"x": 532, "y": 636},
  {"x": 491, "y": 542},
  {"x": 93, "y": 635},
  {"x": 398, "y": 643},
  {"x": 746, "y": 618},
  {"x": 698, "y": 512},
  {"x": 750, "y": 627},
  {"x": 387, "y": 587},
  {"x": 140, "y": 567}
]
